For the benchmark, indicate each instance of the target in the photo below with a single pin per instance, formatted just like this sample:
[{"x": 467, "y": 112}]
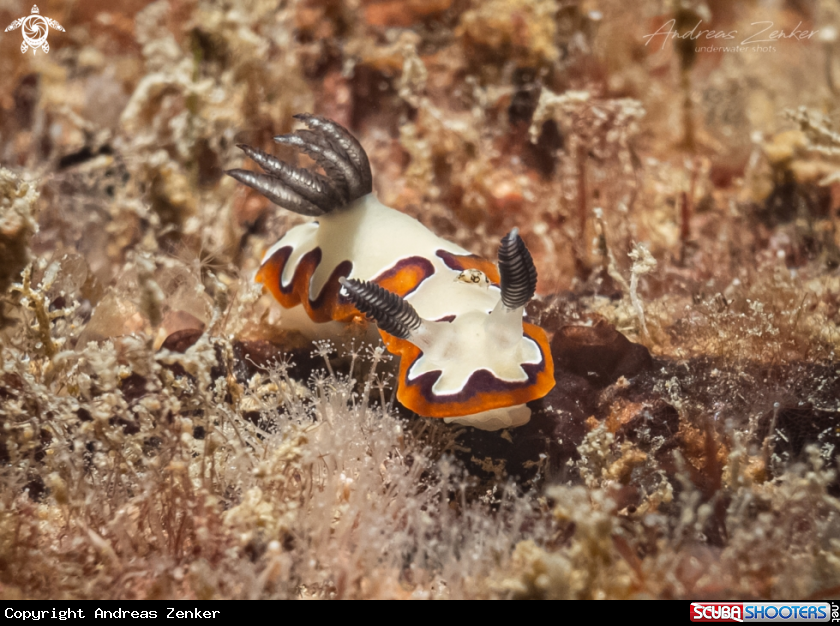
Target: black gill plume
[{"x": 339, "y": 154}]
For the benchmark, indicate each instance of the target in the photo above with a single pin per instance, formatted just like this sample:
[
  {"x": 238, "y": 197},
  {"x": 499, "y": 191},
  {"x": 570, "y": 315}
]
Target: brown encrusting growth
[{"x": 164, "y": 435}]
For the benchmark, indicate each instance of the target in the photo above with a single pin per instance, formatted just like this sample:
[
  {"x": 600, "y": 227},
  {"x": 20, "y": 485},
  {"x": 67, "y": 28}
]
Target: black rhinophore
[
  {"x": 516, "y": 270},
  {"x": 390, "y": 312}
]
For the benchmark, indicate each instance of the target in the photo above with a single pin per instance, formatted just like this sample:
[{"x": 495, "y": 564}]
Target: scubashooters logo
[
  {"x": 796, "y": 612},
  {"x": 35, "y": 28}
]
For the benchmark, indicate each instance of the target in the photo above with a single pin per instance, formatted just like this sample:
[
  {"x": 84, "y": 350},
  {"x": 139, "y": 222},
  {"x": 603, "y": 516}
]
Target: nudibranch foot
[{"x": 495, "y": 419}]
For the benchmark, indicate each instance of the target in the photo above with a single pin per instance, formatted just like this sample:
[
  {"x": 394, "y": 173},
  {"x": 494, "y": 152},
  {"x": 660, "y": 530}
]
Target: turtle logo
[{"x": 35, "y": 29}]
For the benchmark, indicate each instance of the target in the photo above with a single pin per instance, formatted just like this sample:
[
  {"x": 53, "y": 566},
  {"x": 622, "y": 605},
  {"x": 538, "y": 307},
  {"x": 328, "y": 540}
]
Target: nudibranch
[{"x": 454, "y": 319}]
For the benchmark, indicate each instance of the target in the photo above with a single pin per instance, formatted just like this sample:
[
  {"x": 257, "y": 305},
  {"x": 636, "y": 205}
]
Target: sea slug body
[{"x": 454, "y": 319}]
